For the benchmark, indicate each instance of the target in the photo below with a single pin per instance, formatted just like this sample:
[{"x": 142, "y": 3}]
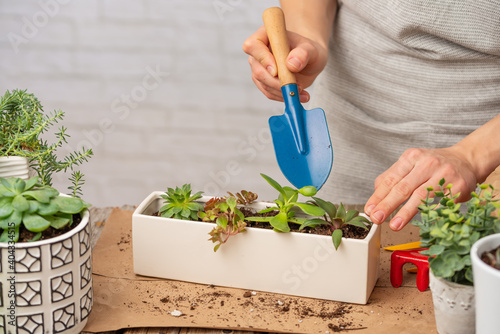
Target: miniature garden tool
[{"x": 301, "y": 139}]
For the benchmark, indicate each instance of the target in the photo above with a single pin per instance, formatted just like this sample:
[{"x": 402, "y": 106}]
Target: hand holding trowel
[{"x": 300, "y": 137}]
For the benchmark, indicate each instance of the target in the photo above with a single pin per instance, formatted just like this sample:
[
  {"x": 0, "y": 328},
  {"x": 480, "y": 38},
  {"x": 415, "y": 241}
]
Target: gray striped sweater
[{"x": 404, "y": 74}]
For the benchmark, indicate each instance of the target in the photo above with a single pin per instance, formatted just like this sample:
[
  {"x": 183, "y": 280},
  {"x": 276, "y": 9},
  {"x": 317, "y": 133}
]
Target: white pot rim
[{"x": 492, "y": 240}]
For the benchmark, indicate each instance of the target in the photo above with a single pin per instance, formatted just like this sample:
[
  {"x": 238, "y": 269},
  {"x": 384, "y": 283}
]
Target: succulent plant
[
  {"x": 228, "y": 218},
  {"x": 336, "y": 217},
  {"x": 180, "y": 204},
  {"x": 449, "y": 234},
  {"x": 34, "y": 206},
  {"x": 286, "y": 201}
]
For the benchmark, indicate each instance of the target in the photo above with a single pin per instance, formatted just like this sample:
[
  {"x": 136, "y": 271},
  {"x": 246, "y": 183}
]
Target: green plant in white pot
[
  {"x": 485, "y": 255},
  {"x": 449, "y": 234},
  {"x": 45, "y": 278},
  {"x": 22, "y": 126}
]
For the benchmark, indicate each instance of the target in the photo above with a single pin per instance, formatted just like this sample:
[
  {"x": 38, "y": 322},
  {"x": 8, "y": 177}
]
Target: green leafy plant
[
  {"x": 449, "y": 233},
  {"x": 336, "y": 217},
  {"x": 35, "y": 206},
  {"x": 228, "y": 218},
  {"x": 22, "y": 124},
  {"x": 180, "y": 204},
  {"x": 287, "y": 200}
]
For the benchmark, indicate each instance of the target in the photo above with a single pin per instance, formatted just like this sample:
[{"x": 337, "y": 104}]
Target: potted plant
[
  {"x": 449, "y": 234},
  {"x": 45, "y": 278},
  {"x": 294, "y": 263},
  {"x": 485, "y": 255},
  {"x": 22, "y": 125}
]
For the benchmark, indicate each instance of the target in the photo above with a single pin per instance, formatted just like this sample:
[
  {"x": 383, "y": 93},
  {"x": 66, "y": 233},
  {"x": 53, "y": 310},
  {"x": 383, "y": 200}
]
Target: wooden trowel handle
[{"x": 274, "y": 21}]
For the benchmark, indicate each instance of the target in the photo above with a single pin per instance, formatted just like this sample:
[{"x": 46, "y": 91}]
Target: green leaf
[
  {"x": 35, "y": 223},
  {"x": 310, "y": 209},
  {"x": 5, "y": 207},
  {"x": 31, "y": 183},
  {"x": 308, "y": 191},
  {"x": 20, "y": 203},
  {"x": 337, "y": 238},
  {"x": 58, "y": 222},
  {"x": 435, "y": 250},
  {"x": 70, "y": 204},
  {"x": 41, "y": 195},
  {"x": 312, "y": 223},
  {"x": 341, "y": 212},
  {"x": 274, "y": 184},
  {"x": 329, "y": 207},
  {"x": 268, "y": 210},
  {"x": 350, "y": 215},
  {"x": 10, "y": 235},
  {"x": 222, "y": 221},
  {"x": 13, "y": 220},
  {"x": 280, "y": 222},
  {"x": 46, "y": 209},
  {"x": 359, "y": 221}
]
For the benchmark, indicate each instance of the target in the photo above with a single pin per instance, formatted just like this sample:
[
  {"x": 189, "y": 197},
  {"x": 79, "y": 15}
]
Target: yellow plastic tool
[{"x": 410, "y": 245}]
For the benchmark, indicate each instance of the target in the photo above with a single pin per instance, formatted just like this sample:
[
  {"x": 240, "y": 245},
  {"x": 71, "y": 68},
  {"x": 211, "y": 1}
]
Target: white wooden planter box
[{"x": 297, "y": 264}]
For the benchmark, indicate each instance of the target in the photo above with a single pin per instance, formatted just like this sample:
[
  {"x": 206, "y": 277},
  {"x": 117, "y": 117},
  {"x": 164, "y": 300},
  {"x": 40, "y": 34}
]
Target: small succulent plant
[
  {"x": 228, "y": 218},
  {"x": 336, "y": 217},
  {"x": 287, "y": 200},
  {"x": 180, "y": 204},
  {"x": 35, "y": 206},
  {"x": 449, "y": 233}
]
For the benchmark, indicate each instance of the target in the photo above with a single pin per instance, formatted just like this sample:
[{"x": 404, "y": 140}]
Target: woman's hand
[
  {"x": 408, "y": 178},
  {"x": 307, "y": 59}
]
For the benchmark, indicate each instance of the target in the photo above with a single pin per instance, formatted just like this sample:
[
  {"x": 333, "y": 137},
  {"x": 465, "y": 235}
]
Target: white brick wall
[{"x": 201, "y": 121}]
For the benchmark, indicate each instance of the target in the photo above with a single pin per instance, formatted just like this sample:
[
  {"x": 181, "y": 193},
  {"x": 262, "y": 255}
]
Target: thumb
[{"x": 297, "y": 59}]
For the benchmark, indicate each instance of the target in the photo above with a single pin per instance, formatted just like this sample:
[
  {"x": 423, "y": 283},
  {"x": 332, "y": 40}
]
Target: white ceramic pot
[
  {"x": 454, "y": 307},
  {"x": 46, "y": 286},
  {"x": 297, "y": 264},
  {"x": 14, "y": 166},
  {"x": 486, "y": 285}
]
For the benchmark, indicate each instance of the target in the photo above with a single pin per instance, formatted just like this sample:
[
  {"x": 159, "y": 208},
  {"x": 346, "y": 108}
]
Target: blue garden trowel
[{"x": 300, "y": 137}]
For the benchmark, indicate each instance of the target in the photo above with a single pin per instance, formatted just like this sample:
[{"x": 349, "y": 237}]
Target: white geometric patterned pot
[
  {"x": 13, "y": 166},
  {"x": 454, "y": 306},
  {"x": 46, "y": 286}
]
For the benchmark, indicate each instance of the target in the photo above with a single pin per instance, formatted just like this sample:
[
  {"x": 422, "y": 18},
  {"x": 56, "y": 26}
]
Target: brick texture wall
[{"x": 159, "y": 89}]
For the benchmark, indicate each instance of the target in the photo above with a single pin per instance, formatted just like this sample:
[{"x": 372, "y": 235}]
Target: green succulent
[
  {"x": 35, "y": 206},
  {"x": 180, "y": 204},
  {"x": 336, "y": 217},
  {"x": 287, "y": 200},
  {"x": 449, "y": 234}
]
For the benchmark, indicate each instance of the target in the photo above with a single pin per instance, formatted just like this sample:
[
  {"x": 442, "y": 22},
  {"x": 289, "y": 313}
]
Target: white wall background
[{"x": 159, "y": 89}]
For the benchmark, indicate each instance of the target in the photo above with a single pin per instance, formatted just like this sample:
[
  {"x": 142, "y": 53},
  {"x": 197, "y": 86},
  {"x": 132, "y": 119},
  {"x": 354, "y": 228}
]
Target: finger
[
  {"x": 386, "y": 181},
  {"x": 300, "y": 56},
  {"x": 266, "y": 83},
  {"x": 257, "y": 46},
  {"x": 410, "y": 208}
]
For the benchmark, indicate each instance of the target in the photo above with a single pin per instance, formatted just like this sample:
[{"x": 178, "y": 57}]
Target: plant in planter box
[
  {"x": 449, "y": 234},
  {"x": 46, "y": 282},
  {"x": 22, "y": 124},
  {"x": 300, "y": 264},
  {"x": 287, "y": 200}
]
